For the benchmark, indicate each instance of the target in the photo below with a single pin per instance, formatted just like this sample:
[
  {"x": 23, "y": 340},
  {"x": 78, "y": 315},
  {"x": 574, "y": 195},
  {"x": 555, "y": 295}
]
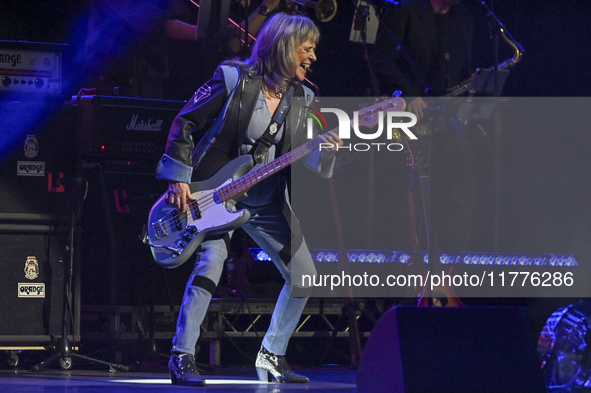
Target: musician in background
[
  {"x": 227, "y": 118},
  {"x": 436, "y": 35},
  {"x": 423, "y": 48}
]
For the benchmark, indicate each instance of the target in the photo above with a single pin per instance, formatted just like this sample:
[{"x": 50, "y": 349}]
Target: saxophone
[{"x": 517, "y": 55}]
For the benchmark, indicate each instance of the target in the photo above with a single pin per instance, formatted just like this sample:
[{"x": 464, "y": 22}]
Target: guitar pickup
[
  {"x": 176, "y": 220},
  {"x": 159, "y": 229},
  {"x": 195, "y": 211}
]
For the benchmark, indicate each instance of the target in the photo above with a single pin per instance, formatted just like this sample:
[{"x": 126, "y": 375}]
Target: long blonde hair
[{"x": 273, "y": 54}]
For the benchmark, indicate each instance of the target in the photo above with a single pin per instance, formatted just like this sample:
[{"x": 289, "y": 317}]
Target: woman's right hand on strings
[{"x": 177, "y": 195}]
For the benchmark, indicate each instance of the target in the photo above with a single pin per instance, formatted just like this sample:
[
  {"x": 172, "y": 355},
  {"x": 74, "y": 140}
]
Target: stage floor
[{"x": 225, "y": 380}]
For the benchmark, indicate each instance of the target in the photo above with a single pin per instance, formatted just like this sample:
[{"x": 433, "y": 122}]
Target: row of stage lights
[{"x": 459, "y": 258}]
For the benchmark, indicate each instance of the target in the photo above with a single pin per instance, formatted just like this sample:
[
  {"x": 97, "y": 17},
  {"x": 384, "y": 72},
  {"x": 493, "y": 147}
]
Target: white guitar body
[{"x": 175, "y": 236}]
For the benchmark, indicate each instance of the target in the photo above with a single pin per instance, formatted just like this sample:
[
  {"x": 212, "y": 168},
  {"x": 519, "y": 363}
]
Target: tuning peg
[{"x": 397, "y": 93}]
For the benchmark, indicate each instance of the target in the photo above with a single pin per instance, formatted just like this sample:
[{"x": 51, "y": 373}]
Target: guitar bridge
[{"x": 159, "y": 229}]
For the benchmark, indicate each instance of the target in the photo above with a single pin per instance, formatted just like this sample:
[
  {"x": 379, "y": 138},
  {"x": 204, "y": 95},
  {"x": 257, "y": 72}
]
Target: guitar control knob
[
  {"x": 39, "y": 83},
  {"x": 6, "y": 81}
]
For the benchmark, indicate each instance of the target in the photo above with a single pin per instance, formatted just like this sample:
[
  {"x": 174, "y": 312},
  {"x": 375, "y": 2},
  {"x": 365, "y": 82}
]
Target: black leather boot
[
  {"x": 268, "y": 364},
  {"x": 183, "y": 370}
]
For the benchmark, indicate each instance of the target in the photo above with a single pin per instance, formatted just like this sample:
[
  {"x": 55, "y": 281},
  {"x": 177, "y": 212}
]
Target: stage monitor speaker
[{"x": 443, "y": 349}]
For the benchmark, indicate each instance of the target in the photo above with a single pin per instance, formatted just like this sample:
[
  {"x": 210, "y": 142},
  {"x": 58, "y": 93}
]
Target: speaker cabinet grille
[{"x": 32, "y": 284}]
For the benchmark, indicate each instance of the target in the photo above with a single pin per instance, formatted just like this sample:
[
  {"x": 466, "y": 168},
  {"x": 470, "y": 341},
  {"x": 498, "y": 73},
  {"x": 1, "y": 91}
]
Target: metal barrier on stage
[{"x": 226, "y": 318}]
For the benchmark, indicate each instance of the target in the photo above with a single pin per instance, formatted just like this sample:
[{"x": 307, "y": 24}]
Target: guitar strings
[{"x": 206, "y": 200}]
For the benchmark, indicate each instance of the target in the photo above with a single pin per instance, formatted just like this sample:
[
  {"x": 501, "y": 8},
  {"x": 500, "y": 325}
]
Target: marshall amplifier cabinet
[
  {"x": 125, "y": 134},
  {"x": 121, "y": 141}
]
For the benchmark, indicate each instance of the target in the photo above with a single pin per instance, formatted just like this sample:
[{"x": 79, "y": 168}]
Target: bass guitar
[{"x": 173, "y": 236}]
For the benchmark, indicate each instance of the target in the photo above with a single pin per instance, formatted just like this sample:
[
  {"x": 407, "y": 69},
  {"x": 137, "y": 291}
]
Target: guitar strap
[
  {"x": 240, "y": 111},
  {"x": 262, "y": 145}
]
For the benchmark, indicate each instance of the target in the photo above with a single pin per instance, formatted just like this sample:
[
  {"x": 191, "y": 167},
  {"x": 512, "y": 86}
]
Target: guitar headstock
[{"x": 367, "y": 116}]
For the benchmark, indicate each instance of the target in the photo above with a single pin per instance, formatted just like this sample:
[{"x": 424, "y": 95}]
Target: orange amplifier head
[{"x": 31, "y": 68}]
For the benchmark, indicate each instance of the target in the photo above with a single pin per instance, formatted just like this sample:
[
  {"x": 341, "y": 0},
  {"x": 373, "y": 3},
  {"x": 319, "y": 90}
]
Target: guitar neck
[
  {"x": 240, "y": 186},
  {"x": 244, "y": 183}
]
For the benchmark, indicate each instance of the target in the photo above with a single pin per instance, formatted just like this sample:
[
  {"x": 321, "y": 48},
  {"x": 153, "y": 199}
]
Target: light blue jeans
[{"x": 269, "y": 228}]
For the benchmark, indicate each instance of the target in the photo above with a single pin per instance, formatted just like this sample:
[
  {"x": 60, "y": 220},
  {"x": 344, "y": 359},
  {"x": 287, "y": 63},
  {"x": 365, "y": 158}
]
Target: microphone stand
[
  {"x": 495, "y": 24},
  {"x": 360, "y": 24},
  {"x": 65, "y": 351},
  {"x": 348, "y": 311}
]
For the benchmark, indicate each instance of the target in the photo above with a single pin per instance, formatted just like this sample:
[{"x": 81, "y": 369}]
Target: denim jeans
[{"x": 269, "y": 228}]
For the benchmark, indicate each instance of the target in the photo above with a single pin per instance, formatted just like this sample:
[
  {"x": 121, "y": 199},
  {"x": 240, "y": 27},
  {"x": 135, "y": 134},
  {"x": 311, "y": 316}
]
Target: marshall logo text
[{"x": 134, "y": 125}]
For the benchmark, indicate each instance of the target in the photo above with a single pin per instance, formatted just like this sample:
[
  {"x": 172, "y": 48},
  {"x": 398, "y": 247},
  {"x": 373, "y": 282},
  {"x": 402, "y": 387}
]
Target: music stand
[
  {"x": 483, "y": 82},
  {"x": 482, "y": 85}
]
